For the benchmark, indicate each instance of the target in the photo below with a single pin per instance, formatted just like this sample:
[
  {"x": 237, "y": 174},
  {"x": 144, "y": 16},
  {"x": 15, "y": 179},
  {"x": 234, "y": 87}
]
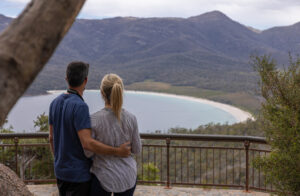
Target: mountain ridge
[{"x": 208, "y": 51}]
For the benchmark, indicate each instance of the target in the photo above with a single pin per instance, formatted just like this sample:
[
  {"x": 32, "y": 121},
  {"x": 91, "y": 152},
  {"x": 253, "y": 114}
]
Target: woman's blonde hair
[{"x": 112, "y": 92}]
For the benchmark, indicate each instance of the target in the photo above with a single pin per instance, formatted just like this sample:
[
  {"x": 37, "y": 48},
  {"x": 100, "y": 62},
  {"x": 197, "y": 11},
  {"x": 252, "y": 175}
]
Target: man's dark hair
[{"x": 77, "y": 72}]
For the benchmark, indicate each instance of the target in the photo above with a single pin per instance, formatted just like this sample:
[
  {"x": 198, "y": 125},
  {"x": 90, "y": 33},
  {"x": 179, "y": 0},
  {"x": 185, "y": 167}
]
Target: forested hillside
[{"x": 208, "y": 52}]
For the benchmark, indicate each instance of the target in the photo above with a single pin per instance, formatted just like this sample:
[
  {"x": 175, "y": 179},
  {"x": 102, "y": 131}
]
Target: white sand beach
[{"x": 238, "y": 114}]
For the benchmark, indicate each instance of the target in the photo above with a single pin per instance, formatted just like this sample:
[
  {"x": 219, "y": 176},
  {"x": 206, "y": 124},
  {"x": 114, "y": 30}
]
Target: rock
[{"x": 11, "y": 184}]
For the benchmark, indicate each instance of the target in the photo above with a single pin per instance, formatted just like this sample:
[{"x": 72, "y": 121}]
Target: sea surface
[{"x": 153, "y": 111}]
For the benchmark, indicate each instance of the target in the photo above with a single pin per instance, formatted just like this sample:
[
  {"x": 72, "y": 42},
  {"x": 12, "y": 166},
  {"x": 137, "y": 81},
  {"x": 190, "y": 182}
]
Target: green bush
[
  {"x": 150, "y": 173},
  {"x": 281, "y": 113},
  {"x": 34, "y": 162}
]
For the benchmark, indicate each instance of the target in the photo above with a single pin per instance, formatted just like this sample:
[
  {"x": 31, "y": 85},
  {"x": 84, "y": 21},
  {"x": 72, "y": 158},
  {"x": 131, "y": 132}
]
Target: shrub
[
  {"x": 281, "y": 113},
  {"x": 150, "y": 171}
]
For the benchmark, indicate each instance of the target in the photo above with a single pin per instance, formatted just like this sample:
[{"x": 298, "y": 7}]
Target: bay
[{"x": 153, "y": 111}]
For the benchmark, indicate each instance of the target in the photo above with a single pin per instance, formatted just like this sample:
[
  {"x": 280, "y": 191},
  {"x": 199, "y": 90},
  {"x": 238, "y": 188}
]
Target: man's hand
[
  {"x": 51, "y": 138},
  {"x": 124, "y": 150},
  {"x": 88, "y": 143}
]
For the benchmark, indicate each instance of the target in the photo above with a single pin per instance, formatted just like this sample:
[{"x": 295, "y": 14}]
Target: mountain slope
[
  {"x": 286, "y": 39},
  {"x": 209, "y": 51},
  {"x": 4, "y": 21}
]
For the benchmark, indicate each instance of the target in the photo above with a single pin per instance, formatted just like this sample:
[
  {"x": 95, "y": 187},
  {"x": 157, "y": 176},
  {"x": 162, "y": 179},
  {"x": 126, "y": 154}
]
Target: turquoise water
[{"x": 153, "y": 112}]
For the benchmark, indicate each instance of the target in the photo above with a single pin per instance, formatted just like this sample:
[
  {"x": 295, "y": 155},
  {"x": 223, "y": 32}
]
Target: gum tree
[{"x": 27, "y": 44}]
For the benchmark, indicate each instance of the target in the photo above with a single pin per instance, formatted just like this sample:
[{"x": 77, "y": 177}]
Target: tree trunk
[
  {"x": 28, "y": 43},
  {"x": 10, "y": 184},
  {"x": 25, "y": 163}
]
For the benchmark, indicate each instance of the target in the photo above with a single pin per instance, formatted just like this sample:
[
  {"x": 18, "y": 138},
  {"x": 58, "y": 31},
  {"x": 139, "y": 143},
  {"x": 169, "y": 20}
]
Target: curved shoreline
[{"x": 239, "y": 114}]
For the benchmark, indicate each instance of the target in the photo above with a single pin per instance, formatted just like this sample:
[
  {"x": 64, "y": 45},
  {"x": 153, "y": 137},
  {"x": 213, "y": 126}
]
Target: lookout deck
[{"x": 51, "y": 190}]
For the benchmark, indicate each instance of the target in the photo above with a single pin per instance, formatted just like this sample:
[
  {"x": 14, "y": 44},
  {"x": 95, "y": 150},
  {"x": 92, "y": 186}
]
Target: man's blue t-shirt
[{"x": 68, "y": 114}]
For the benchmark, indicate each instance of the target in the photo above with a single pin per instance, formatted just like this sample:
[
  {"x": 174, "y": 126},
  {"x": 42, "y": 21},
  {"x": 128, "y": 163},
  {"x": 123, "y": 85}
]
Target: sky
[{"x": 260, "y": 14}]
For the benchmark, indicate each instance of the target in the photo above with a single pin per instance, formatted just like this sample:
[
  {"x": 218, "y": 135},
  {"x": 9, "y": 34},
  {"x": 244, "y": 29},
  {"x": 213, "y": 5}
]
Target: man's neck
[{"x": 78, "y": 89}]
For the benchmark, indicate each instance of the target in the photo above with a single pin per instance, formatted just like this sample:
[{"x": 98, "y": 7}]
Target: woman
[{"x": 114, "y": 126}]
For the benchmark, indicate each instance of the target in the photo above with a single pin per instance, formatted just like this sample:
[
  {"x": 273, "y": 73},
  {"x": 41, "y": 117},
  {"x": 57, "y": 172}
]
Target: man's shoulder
[
  {"x": 57, "y": 99},
  {"x": 79, "y": 102},
  {"x": 69, "y": 99}
]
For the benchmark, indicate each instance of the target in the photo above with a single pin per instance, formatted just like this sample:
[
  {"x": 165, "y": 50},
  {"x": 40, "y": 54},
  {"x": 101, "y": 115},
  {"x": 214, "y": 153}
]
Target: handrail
[
  {"x": 193, "y": 137},
  {"x": 205, "y": 137},
  {"x": 23, "y": 135},
  {"x": 246, "y": 140}
]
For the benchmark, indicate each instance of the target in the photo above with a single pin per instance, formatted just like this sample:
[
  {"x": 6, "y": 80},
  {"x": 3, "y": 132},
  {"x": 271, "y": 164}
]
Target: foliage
[
  {"x": 199, "y": 159},
  {"x": 281, "y": 111},
  {"x": 44, "y": 158},
  {"x": 35, "y": 162},
  {"x": 42, "y": 167},
  {"x": 6, "y": 130},
  {"x": 7, "y": 154},
  {"x": 150, "y": 171},
  {"x": 250, "y": 127},
  {"x": 42, "y": 123}
]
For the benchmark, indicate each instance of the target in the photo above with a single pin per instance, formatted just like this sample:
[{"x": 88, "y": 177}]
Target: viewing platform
[
  {"x": 170, "y": 164},
  {"x": 51, "y": 190}
]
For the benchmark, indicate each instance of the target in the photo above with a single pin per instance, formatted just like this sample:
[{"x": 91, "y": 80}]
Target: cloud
[
  {"x": 18, "y": 1},
  {"x": 264, "y": 14},
  {"x": 260, "y": 14}
]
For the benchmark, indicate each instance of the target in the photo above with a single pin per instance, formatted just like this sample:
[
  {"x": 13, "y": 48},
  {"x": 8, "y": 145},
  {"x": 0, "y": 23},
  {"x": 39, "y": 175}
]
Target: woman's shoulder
[
  {"x": 100, "y": 113},
  {"x": 99, "y": 116},
  {"x": 128, "y": 114}
]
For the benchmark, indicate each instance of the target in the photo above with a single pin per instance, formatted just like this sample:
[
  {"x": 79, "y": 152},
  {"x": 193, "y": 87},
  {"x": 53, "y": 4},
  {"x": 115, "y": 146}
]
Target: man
[{"x": 70, "y": 135}]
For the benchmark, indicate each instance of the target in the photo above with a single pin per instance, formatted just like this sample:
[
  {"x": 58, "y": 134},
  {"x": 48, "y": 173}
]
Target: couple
[{"x": 111, "y": 134}]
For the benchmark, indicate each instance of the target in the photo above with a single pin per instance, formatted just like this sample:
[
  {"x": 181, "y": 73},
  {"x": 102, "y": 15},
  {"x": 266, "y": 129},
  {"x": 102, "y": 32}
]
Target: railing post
[
  {"x": 16, "y": 140},
  {"x": 247, "y": 144},
  {"x": 168, "y": 141}
]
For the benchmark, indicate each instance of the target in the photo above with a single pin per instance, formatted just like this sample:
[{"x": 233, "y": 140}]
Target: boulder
[{"x": 11, "y": 184}]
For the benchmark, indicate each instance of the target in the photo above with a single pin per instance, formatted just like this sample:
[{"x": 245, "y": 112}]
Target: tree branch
[{"x": 28, "y": 43}]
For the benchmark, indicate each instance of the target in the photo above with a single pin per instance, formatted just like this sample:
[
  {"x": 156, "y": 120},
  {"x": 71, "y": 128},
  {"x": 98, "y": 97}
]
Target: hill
[{"x": 207, "y": 52}]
